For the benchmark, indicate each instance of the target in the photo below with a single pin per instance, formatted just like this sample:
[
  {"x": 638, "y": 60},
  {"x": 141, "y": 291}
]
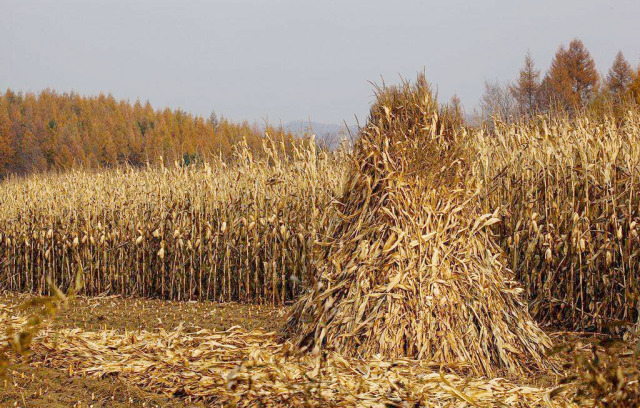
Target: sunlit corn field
[
  {"x": 237, "y": 232},
  {"x": 566, "y": 191},
  {"x": 426, "y": 263},
  {"x": 569, "y": 198}
]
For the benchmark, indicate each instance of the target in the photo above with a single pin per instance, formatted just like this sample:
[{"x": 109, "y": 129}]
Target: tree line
[
  {"x": 54, "y": 131},
  {"x": 571, "y": 85}
]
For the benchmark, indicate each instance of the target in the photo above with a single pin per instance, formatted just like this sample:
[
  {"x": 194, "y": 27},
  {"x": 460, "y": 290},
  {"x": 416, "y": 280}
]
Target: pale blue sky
[{"x": 293, "y": 59}]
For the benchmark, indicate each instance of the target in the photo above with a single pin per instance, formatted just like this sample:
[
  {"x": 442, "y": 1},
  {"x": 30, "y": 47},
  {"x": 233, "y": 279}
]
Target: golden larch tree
[
  {"x": 619, "y": 77},
  {"x": 527, "y": 87},
  {"x": 572, "y": 79}
]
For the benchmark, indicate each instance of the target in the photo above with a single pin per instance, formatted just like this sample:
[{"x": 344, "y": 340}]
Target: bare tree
[
  {"x": 214, "y": 121},
  {"x": 497, "y": 101}
]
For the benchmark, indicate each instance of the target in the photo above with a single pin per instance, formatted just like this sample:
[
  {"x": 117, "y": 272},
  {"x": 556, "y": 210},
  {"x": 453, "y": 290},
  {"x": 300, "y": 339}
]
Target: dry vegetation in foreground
[
  {"x": 109, "y": 319},
  {"x": 32, "y": 383},
  {"x": 409, "y": 268},
  {"x": 407, "y": 281}
]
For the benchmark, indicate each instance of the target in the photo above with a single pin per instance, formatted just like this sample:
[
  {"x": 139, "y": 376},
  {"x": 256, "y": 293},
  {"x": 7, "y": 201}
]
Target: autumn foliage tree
[
  {"x": 52, "y": 131},
  {"x": 619, "y": 77},
  {"x": 634, "y": 87},
  {"x": 570, "y": 85},
  {"x": 6, "y": 150},
  {"x": 527, "y": 88},
  {"x": 572, "y": 79}
]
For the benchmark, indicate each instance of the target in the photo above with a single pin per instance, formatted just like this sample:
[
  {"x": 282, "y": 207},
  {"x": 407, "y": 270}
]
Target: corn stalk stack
[{"x": 409, "y": 268}]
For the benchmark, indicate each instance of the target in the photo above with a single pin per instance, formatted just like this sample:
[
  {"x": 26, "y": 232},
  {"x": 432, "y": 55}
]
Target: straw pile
[
  {"x": 409, "y": 268},
  {"x": 240, "y": 368}
]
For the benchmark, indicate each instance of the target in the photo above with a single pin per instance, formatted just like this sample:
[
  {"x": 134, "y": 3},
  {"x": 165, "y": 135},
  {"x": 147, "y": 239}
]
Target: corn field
[
  {"x": 566, "y": 191},
  {"x": 570, "y": 202},
  {"x": 227, "y": 233}
]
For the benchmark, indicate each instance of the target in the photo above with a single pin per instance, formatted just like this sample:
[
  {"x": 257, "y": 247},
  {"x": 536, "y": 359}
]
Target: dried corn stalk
[{"x": 409, "y": 268}]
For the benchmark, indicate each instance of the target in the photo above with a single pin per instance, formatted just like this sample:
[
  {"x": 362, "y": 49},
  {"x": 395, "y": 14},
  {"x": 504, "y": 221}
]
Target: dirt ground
[{"x": 28, "y": 386}]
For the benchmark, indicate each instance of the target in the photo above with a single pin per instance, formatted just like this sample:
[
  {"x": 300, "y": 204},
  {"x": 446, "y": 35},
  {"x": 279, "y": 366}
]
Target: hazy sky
[{"x": 285, "y": 60}]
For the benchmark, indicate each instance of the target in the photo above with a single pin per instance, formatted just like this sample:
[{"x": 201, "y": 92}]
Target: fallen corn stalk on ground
[{"x": 237, "y": 367}]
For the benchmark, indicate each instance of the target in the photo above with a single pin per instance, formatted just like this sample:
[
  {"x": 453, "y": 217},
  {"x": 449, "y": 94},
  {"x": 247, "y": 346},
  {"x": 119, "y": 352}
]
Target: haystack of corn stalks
[
  {"x": 239, "y": 368},
  {"x": 409, "y": 268},
  {"x": 569, "y": 194},
  {"x": 236, "y": 232}
]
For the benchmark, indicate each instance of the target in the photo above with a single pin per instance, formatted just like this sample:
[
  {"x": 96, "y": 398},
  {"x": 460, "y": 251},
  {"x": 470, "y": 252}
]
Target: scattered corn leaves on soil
[{"x": 249, "y": 368}]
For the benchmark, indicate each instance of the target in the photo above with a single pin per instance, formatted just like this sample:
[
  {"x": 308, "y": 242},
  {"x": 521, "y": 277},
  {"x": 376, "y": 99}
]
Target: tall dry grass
[{"x": 229, "y": 233}]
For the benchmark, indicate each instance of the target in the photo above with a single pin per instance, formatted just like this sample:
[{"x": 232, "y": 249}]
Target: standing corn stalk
[
  {"x": 569, "y": 194},
  {"x": 226, "y": 232}
]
